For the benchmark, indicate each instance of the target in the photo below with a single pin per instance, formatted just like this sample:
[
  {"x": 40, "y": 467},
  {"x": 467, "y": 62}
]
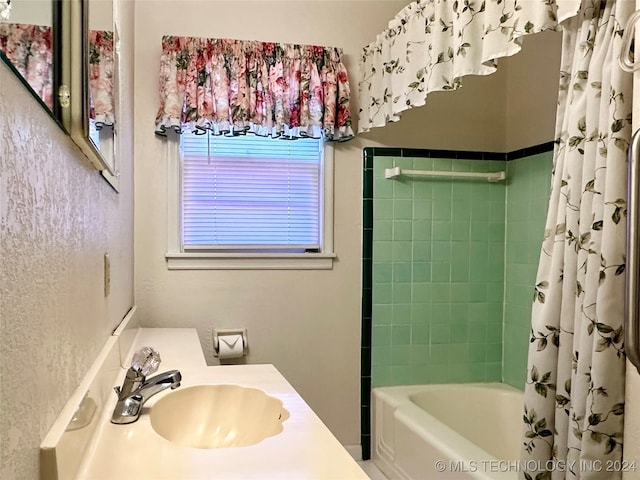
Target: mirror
[
  {"x": 26, "y": 45},
  {"x": 64, "y": 52},
  {"x": 101, "y": 115}
]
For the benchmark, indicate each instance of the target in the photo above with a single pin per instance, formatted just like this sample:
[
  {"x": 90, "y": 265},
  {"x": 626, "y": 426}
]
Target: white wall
[
  {"x": 632, "y": 384},
  {"x": 307, "y": 323},
  {"x": 57, "y": 219},
  {"x": 532, "y": 91},
  {"x": 101, "y": 15},
  {"x": 37, "y": 12}
]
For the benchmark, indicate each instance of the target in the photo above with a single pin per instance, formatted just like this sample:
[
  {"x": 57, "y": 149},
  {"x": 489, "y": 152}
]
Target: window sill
[{"x": 250, "y": 261}]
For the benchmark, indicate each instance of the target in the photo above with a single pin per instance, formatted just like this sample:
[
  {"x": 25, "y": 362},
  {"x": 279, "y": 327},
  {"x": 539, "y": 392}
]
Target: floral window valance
[
  {"x": 101, "y": 78},
  {"x": 269, "y": 89},
  {"x": 28, "y": 48}
]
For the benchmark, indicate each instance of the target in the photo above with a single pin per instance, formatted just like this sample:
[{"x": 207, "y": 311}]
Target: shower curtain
[
  {"x": 574, "y": 394},
  {"x": 430, "y": 45}
]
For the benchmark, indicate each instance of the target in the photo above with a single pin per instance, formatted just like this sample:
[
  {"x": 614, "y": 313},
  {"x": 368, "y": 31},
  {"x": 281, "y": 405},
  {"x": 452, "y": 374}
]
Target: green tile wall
[
  {"x": 442, "y": 309},
  {"x": 527, "y": 200},
  {"x": 438, "y": 274}
]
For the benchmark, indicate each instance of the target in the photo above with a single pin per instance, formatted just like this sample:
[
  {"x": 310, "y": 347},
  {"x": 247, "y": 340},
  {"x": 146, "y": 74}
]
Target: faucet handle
[{"x": 146, "y": 361}]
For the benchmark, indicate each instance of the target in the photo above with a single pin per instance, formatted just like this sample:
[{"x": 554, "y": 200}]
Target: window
[{"x": 251, "y": 202}]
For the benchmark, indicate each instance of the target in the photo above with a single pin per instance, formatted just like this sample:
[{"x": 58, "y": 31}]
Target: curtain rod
[{"x": 490, "y": 176}]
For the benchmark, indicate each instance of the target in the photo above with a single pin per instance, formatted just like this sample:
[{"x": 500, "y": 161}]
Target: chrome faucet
[{"x": 137, "y": 389}]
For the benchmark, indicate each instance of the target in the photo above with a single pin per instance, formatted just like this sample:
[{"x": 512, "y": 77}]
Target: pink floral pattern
[
  {"x": 270, "y": 89},
  {"x": 28, "y": 48},
  {"x": 101, "y": 104}
]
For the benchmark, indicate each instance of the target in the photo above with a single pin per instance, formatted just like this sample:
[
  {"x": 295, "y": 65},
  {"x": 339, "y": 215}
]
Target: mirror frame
[
  {"x": 72, "y": 95},
  {"x": 70, "y": 81}
]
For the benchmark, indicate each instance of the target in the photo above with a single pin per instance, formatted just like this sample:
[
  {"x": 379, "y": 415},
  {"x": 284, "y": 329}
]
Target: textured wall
[{"x": 57, "y": 219}]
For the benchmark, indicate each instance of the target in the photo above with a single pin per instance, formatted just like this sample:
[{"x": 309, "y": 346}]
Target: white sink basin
[{"x": 217, "y": 416}]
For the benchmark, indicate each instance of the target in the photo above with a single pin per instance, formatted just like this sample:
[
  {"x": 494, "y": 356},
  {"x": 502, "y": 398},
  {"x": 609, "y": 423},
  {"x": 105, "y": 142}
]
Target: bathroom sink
[{"x": 217, "y": 416}]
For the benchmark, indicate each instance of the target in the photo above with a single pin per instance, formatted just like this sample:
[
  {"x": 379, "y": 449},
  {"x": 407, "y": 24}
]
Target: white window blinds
[{"x": 250, "y": 192}]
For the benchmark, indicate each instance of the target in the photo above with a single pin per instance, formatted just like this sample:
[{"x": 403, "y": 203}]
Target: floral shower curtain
[
  {"x": 270, "y": 89},
  {"x": 574, "y": 395},
  {"x": 431, "y": 44}
]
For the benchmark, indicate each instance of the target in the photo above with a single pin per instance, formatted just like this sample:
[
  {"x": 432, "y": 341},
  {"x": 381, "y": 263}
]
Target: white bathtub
[{"x": 456, "y": 432}]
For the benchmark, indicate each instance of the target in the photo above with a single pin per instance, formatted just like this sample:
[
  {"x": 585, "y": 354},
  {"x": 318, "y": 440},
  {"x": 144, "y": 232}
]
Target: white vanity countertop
[{"x": 305, "y": 449}]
